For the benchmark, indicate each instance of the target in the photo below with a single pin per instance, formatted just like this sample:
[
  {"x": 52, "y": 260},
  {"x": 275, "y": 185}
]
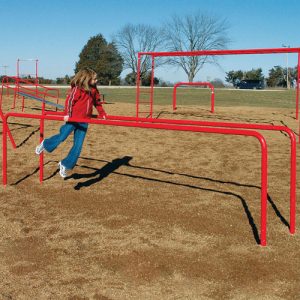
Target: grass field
[{"x": 201, "y": 96}]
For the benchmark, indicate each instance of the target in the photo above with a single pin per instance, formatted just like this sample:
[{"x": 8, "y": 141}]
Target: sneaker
[
  {"x": 40, "y": 148},
  {"x": 62, "y": 170}
]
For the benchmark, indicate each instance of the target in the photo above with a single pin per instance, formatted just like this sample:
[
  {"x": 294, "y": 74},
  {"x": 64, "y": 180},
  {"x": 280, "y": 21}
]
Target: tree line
[{"x": 277, "y": 77}]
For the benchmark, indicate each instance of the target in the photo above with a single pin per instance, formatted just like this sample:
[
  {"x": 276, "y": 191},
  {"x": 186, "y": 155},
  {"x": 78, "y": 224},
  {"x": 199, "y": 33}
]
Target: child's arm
[
  {"x": 97, "y": 103},
  {"x": 101, "y": 112}
]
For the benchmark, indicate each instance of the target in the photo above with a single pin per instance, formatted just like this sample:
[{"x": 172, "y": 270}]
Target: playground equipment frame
[
  {"x": 22, "y": 87},
  {"x": 189, "y": 125},
  {"x": 169, "y": 122},
  {"x": 264, "y": 127},
  {"x": 212, "y": 88},
  {"x": 226, "y": 131},
  {"x": 153, "y": 55},
  {"x": 178, "y": 125},
  {"x": 29, "y": 93}
]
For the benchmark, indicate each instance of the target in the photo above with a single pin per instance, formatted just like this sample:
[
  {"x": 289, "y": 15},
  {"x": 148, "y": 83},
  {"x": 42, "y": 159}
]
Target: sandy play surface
[{"x": 149, "y": 214}]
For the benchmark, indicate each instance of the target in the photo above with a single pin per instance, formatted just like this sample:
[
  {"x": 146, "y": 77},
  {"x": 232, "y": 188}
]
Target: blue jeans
[{"x": 52, "y": 143}]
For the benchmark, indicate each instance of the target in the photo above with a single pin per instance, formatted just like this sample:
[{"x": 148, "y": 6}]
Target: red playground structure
[
  {"x": 201, "y": 127},
  {"x": 147, "y": 104}
]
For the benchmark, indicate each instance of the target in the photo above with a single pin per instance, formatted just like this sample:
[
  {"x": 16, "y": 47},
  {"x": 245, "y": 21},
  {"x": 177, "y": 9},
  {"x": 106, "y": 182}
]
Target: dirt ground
[{"x": 149, "y": 214}]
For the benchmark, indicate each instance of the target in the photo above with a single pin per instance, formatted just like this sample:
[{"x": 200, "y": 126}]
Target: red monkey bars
[
  {"x": 264, "y": 155},
  {"x": 153, "y": 55},
  {"x": 171, "y": 125}
]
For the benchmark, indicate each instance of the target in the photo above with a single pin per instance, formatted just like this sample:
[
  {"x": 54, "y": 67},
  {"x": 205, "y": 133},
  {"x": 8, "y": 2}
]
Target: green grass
[{"x": 201, "y": 96}]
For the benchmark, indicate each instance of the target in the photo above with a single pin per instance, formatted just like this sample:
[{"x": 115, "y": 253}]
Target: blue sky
[{"x": 55, "y": 31}]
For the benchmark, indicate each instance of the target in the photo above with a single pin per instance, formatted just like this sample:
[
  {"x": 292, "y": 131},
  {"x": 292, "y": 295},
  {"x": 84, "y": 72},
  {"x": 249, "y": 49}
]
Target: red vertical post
[
  {"x": 17, "y": 84},
  {"x": 174, "y": 96},
  {"x": 8, "y": 131},
  {"x": 293, "y": 175},
  {"x": 152, "y": 87},
  {"x": 264, "y": 193},
  {"x": 23, "y": 103},
  {"x": 297, "y": 87},
  {"x": 7, "y": 89},
  {"x": 42, "y": 122},
  {"x": 1, "y": 95},
  {"x": 212, "y": 99},
  {"x": 4, "y": 152},
  {"x": 138, "y": 75},
  {"x": 42, "y": 128},
  {"x": 297, "y": 92}
]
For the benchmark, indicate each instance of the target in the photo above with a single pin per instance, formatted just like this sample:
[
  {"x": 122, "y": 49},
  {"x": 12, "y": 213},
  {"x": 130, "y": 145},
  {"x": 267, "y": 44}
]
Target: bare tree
[
  {"x": 195, "y": 32},
  {"x": 132, "y": 39}
]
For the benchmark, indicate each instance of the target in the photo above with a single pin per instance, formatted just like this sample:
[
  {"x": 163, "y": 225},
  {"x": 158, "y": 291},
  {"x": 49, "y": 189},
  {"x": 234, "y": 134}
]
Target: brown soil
[{"x": 149, "y": 214}]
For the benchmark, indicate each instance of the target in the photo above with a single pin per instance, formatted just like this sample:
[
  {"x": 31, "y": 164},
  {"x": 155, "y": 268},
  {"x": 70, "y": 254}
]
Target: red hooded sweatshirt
[{"x": 79, "y": 103}]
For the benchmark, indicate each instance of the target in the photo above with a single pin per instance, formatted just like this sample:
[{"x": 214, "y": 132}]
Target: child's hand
[
  {"x": 102, "y": 116},
  {"x": 66, "y": 118}
]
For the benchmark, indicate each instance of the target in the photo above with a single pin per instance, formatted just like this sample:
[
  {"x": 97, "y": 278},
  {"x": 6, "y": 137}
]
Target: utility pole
[
  {"x": 4, "y": 67},
  {"x": 287, "y": 67}
]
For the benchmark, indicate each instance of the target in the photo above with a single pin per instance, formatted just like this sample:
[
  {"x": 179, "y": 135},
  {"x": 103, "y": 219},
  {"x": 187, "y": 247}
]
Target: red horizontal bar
[
  {"x": 25, "y": 81},
  {"x": 222, "y": 52}
]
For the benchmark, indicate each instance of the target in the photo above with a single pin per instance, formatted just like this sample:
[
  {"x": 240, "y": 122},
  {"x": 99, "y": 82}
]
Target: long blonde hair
[{"x": 82, "y": 78}]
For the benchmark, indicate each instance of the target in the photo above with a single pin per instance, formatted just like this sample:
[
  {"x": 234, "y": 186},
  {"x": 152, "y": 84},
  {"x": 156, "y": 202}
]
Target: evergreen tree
[
  {"x": 146, "y": 80},
  {"x": 102, "y": 57},
  {"x": 234, "y": 76},
  {"x": 255, "y": 74},
  {"x": 276, "y": 77},
  {"x": 130, "y": 78}
]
